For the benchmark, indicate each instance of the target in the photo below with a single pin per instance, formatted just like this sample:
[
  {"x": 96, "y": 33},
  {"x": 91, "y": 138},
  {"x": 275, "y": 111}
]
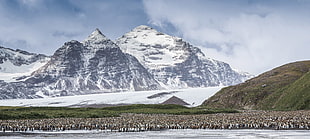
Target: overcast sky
[{"x": 253, "y": 36}]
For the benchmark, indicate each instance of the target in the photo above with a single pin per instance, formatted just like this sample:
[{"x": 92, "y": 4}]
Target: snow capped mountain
[
  {"x": 17, "y": 64},
  {"x": 174, "y": 62},
  {"x": 95, "y": 65},
  {"x": 143, "y": 59}
]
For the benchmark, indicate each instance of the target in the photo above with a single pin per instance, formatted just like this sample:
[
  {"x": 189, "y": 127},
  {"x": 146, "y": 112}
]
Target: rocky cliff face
[{"x": 176, "y": 63}]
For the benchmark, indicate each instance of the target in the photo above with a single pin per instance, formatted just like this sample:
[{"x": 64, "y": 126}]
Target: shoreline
[{"x": 271, "y": 120}]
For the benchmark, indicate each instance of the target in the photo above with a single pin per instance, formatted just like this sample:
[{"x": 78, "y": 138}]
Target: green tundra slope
[
  {"x": 295, "y": 96},
  {"x": 284, "y": 88}
]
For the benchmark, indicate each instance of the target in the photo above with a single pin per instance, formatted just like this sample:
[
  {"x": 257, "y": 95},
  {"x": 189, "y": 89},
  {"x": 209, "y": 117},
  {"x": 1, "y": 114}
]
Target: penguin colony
[{"x": 277, "y": 120}]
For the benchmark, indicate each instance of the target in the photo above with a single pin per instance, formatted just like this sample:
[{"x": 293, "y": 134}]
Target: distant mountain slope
[
  {"x": 286, "y": 87},
  {"x": 17, "y": 63},
  {"x": 176, "y": 63}
]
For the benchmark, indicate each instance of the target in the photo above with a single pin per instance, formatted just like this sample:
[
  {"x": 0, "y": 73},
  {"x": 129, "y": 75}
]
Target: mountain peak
[
  {"x": 96, "y": 36},
  {"x": 97, "y": 32},
  {"x": 142, "y": 27},
  {"x": 147, "y": 35}
]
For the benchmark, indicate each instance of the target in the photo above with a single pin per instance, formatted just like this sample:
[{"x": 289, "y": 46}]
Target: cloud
[
  {"x": 253, "y": 36},
  {"x": 44, "y": 25},
  {"x": 250, "y": 35}
]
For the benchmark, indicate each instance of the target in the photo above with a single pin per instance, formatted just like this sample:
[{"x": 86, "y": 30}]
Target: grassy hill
[
  {"x": 295, "y": 96},
  {"x": 284, "y": 88}
]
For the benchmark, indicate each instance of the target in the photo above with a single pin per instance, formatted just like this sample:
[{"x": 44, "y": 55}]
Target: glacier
[{"x": 193, "y": 96}]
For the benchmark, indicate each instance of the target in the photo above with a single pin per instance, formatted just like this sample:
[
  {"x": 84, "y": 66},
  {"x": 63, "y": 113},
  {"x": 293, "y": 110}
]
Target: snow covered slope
[
  {"x": 15, "y": 64},
  {"x": 193, "y": 96},
  {"x": 176, "y": 63}
]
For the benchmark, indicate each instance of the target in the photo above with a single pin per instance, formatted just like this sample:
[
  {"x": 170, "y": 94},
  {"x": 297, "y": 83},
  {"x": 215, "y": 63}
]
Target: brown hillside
[{"x": 254, "y": 92}]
